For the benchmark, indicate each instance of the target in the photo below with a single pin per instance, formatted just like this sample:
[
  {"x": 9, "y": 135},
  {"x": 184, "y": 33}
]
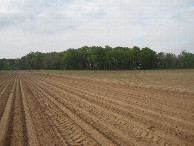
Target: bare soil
[
  {"x": 176, "y": 80},
  {"x": 43, "y": 109}
]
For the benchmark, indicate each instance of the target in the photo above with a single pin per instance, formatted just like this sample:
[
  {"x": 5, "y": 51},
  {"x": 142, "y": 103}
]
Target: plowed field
[{"x": 42, "y": 109}]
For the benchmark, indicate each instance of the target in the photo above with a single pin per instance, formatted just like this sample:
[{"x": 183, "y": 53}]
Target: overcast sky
[{"x": 56, "y": 25}]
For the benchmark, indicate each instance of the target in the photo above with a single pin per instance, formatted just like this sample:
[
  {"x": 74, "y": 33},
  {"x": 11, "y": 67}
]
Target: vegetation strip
[{"x": 99, "y": 58}]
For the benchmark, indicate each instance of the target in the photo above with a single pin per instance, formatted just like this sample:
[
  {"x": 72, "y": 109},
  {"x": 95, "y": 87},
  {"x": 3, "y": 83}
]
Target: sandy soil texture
[
  {"x": 181, "y": 80},
  {"x": 41, "y": 109}
]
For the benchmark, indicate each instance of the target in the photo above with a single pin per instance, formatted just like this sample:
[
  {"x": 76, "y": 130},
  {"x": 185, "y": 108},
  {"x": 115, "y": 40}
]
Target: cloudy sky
[{"x": 56, "y": 25}]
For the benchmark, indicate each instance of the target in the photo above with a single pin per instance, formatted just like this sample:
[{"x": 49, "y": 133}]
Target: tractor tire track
[
  {"x": 41, "y": 109},
  {"x": 76, "y": 102}
]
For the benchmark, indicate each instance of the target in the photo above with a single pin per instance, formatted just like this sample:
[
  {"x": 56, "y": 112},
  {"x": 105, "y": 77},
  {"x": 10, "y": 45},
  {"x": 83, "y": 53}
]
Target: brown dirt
[
  {"x": 173, "y": 80},
  {"x": 42, "y": 109}
]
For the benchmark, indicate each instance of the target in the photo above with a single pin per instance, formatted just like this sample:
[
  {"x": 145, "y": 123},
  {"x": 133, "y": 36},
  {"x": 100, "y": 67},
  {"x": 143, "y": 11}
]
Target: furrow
[
  {"x": 5, "y": 121},
  {"x": 32, "y": 139},
  {"x": 45, "y": 133},
  {"x": 4, "y": 96},
  {"x": 102, "y": 126},
  {"x": 150, "y": 118},
  {"x": 89, "y": 130},
  {"x": 102, "y": 114},
  {"x": 153, "y": 115}
]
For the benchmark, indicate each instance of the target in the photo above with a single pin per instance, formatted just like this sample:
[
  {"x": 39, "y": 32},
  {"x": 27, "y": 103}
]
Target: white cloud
[{"x": 47, "y": 25}]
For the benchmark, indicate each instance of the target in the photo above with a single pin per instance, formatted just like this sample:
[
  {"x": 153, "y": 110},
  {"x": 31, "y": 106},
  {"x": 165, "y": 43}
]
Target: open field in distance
[
  {"x": 177, "y": 80},
  {"x": 129, "y": 108}
]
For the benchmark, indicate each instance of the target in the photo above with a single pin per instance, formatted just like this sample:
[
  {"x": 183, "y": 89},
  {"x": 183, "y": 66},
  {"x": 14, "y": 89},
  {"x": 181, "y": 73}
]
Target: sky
[{"x": 56, "y": 25}]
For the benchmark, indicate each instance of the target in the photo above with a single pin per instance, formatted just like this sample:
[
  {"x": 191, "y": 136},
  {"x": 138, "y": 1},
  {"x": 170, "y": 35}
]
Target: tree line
[{"x": 100, "y": 58}]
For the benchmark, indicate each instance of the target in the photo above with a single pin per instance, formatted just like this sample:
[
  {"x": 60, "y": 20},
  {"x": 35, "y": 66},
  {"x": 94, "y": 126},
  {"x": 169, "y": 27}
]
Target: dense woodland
[{"x": 99, "y": 58}]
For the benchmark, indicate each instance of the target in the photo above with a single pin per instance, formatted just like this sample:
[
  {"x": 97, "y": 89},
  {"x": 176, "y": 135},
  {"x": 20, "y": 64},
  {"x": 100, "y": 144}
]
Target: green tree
[
  {"x": 147, "y": 58},
  {"x": 135, "y": 57},
  {"x": 100, "y": 58},
  {"x": 96, "y": 58},
  {"x": 169, "y": 57},
  {"x": 83, "y": 56},
  {"x": 71, "y": 59},
  {"x": 22, "y": 63},
  {"x": 37, "y": 60},
  {"x": 186, "y": 59},
  {"x": 161, "y": 60},
  {"x": 30, "y": 60}
]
